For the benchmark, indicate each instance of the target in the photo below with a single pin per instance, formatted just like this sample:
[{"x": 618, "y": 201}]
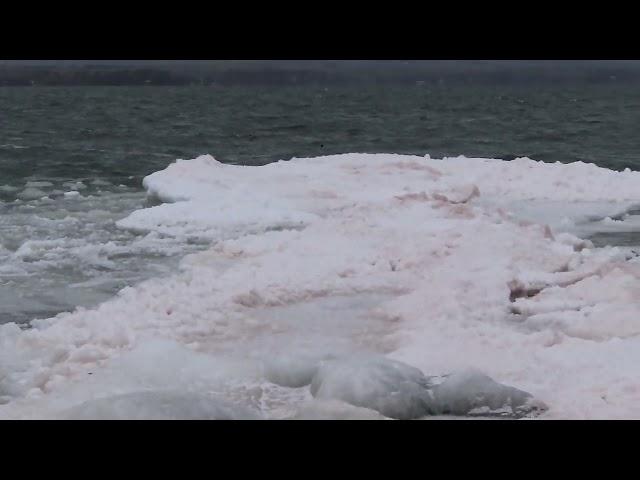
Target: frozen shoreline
[{"x": 441, "y": 264}]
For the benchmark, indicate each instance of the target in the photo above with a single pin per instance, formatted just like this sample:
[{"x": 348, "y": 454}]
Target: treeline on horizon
[{"x": 305, "y": 75}]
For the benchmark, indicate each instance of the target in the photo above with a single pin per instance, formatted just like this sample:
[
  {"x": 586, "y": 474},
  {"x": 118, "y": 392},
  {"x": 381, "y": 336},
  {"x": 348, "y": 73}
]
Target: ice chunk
[
  {"x": 31, "y": 193},
  {"x": 159, "y": 405},
  {"x": 472, "y": 393},
  {"x": 400, "y": 391},
  {"x": 74, "y": 185},
  {"x": 294, "y": 371},
  {"x": 394, "y": 389}
]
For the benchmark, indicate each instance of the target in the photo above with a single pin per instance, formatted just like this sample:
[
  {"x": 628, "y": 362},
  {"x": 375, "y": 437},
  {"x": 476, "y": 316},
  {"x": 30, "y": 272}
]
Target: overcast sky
[{"x": 349, "y": 63}]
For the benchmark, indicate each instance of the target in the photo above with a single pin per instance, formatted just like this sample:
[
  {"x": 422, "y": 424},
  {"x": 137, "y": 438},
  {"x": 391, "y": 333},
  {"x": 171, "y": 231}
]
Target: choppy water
[{"x": 59, "y": 251}]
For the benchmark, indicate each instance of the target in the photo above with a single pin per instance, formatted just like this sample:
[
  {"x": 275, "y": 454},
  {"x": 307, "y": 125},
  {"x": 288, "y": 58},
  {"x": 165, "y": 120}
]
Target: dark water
[
  {"x": 60, "y": 251},
  {"x": 116, "y": 132}
]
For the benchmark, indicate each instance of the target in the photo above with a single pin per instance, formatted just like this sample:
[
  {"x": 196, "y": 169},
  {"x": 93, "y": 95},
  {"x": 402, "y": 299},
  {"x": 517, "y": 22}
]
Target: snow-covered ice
[
  {"x": 323, "y": 270},
  {"x": 334, "y": 410},
  {"x": 159, "y": 405}
]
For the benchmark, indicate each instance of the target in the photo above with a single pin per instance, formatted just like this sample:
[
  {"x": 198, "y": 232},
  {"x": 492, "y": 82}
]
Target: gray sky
[
  {"x": 351, "y": 63},
  {"x": 347, "y": 65}
]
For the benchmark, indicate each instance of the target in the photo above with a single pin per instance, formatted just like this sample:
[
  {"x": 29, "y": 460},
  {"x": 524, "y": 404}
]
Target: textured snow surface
[
  {"x": 158, "y": 405},
  {"x": 323, "y": 272}
]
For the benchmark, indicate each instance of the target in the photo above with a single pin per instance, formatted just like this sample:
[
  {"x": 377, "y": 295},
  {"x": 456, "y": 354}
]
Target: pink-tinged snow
[{"x": 441, "y": 264}]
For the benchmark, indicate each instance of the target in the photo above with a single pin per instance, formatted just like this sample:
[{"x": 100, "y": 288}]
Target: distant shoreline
[{"x": 48, "y": 75}]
